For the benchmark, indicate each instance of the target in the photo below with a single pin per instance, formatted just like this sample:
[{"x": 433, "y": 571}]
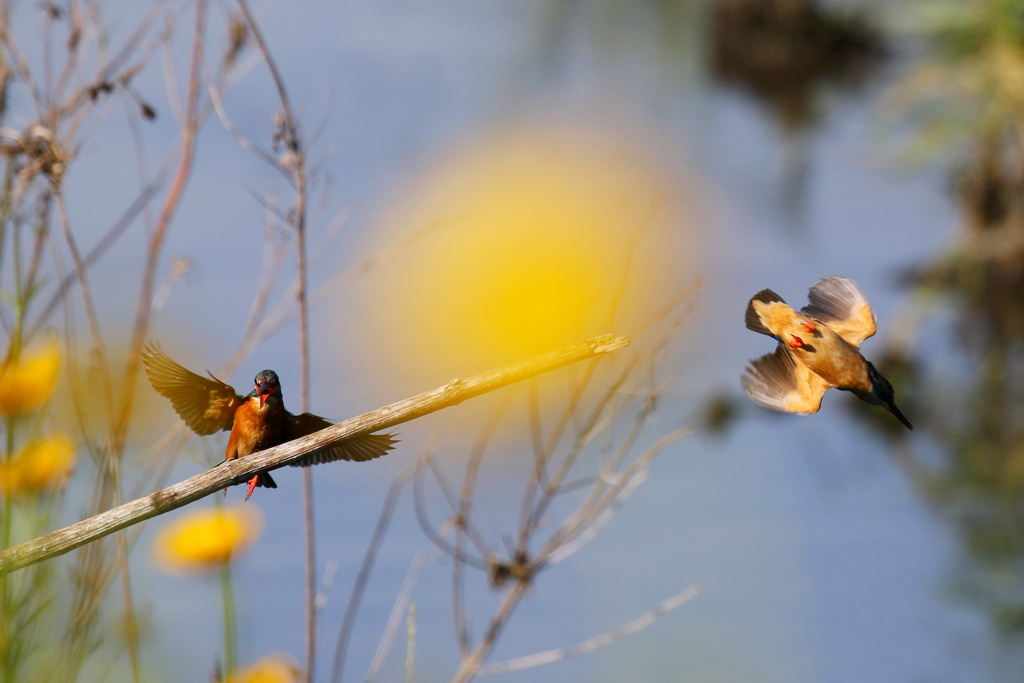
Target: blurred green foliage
[{"x": 789, "y": 54}]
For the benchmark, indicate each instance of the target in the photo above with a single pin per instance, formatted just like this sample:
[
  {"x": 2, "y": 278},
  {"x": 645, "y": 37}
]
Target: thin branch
[
  {"x": 236, "y": 471},
  {"x": 586, "y": 533},
  {"x": 245, "y": 142},
  {"x": 442, "y": 482},
  {"x": 356, "y": 597},
  {"x": 471, "y": 665},
  {"x": 464, "y": 528},
  {"x": 156, "y": 241},
  {"x": 428, "y": 529},
  {"x": 274, "y": 256},
  {"x": 595, "y": 643},
  {"x": 605, "y": 498},
  {"x": 555, "y": 482},
  {"x": 113, "y": 467},
  {"x": 271, "y": 64},
  {"x": 289, "y": 134},
  {"x": 682, "y": 297},
  {"x": 638, "y": 235},
  {"x": 599, "y": 498},
  {"x": 281, "y": 315},
  {"x": 108, "y": 240},
  {"x": 397, "y": 612}
]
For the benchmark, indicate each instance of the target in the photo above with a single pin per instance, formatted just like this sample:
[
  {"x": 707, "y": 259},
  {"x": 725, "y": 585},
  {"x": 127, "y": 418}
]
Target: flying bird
[
  {"x": 818, "y": 349},
  {"x": 257, "y": 421}
]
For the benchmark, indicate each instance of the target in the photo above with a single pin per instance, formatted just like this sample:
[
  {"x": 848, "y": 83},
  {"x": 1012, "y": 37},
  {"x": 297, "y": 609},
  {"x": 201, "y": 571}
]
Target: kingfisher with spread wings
[
  {"x": 818, "y": 349},
  {"x": 257, "y": 421}
]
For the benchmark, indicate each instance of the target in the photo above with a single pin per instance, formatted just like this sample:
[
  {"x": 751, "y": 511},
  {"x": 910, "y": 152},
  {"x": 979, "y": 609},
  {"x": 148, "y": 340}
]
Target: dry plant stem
[
  {"x": 397, "y": 611},
  {"x": 307, "y": 508},
  {"x": 456, "y": 391},
  {"x": 156, "y": 240},
  {"x": 293, "y": 143},
  {"x": 114, "y": 468},
  {"x": 471, "y": 665},
  {"x": 6, "y": 608},
  {"x": 410, "y": 646},
  {"x": 282, "y": 315},
  {"x": 274, "y": 255},
  {"x": 542, "y": 454},
  {"x": 87, "y": 301},
  {"x": 94, "y": 565},
  {"x": 603, "y": 500},
  {"x": 108, "y": 240},
  {"x": 95, "y": 571},
  {"x": 645, "y": 224},
  {"x": 227, "y": 594},
  {"x": 551, "y": 656},
  {"x": 24, "y": 292},
  {"x": 609, "y": 492},
  {"x": 463, "y": 529},
  {"x": 275, "y": 74},
  {"x": 307, "y": 473},
  {"x": 551, "y": 490},
  {"x": 356, "y": 597},
  {"x": 139, "y": 205},
  {"x": 434, "y": 536}
]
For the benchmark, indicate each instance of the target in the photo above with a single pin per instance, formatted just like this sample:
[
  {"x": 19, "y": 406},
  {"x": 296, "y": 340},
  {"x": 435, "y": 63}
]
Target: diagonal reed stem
[{"x": 201, "y": 485}]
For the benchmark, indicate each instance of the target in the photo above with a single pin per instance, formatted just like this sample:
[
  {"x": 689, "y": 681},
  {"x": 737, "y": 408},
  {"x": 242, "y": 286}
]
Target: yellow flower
[
  {"x": 551, "y": 227},
  {"x": 41, "y": 465},
  {"x": 205, "y": 539},
  {"x": 272, "y": 669},
  {"x": 28, "y": 383}
]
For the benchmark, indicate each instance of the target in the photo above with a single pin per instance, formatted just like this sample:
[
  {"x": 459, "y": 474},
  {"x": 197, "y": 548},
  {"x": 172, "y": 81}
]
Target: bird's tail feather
[{"x": 899, "y": 415}]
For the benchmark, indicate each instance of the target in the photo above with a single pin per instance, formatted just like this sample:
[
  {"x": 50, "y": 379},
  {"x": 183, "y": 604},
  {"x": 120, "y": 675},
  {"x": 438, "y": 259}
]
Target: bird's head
[
  {"x": 268, "y": 387},
  {"x": 882, "y": 394}
]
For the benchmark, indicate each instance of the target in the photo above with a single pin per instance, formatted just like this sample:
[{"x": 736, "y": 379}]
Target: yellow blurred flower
[
  {"x": 42, "y": 465},
  {"x": 205, "y": 539},
  {"x": 28, "y": 383},
  {"x": 272, "y": 669},
  {"x": 559, "y": 236}
]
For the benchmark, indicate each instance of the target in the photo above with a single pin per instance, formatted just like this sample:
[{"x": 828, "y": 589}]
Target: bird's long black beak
[
  {"x": 264, "y": 392},
  {"x": 899, "y": 415}
]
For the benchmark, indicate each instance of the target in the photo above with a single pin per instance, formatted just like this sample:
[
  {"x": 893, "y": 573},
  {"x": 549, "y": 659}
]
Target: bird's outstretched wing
[
  {"x": 839, "y": 303},
  {"x": 752, "y": 319},
  {"x": 779, "y": 382},
  {"x": 359, "y": 449},
  {"x": 206, "y": 405}
]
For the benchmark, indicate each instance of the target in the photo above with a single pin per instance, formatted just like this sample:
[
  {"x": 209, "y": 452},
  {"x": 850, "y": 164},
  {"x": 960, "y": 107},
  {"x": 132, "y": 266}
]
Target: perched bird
[
  {"x": 818, "y": 349},
  {"x": 257, "y": 421}
]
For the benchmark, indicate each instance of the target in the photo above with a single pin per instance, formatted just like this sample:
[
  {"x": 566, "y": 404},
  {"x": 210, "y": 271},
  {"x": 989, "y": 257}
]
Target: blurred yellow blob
[
  {"x": 28, "y": 383},
  {"x": 539, "y": 235},
  {"x": 40, "y": 466},
  {"x": 272, "y": 669},
  {"x": 205, "y": 539}
]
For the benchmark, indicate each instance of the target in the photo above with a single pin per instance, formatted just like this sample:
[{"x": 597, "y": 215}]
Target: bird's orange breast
[{"x": 256, "y": 429}]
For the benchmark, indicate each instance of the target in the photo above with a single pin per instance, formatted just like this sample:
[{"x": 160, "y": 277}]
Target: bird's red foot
[
  {"x": 796, "y": 343},
  {"x": 252, "y": 486},
  {"x": 809, "y": 327}
]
